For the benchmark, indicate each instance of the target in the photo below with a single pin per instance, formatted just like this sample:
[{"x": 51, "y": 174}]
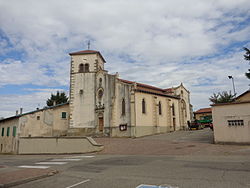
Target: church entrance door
[{"x": 101, "y": 124}]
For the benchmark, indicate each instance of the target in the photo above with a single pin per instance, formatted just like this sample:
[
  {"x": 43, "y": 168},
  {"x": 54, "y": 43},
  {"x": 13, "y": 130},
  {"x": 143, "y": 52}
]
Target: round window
[{"x": 100, "y": 93}]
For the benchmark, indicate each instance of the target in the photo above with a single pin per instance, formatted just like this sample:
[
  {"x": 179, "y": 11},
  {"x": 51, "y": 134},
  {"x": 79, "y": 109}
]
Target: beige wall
[
  {"x": 152, "y": 122},
  {"x": 46, "y": 122},
  {"x": 223, "y": 133},
  {"x": 8, "y": 144},
  {"x": 245, "y": 97},
  {"x": 57, "y": 145},
  {"x": 184, "y": 105}
]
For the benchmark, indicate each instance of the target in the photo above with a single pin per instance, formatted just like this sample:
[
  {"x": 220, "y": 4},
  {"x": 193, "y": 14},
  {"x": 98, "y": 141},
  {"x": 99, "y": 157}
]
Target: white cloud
[{"x": 156, "y": 42}]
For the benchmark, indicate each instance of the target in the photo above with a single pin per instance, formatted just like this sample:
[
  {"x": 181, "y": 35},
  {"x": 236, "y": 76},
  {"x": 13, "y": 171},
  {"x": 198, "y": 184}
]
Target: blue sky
[{"x": 162, "y": 43}]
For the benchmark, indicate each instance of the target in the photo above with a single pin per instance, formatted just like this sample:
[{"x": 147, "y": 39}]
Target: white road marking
[
  {"x": 78, "y": 183},
  {"x": 52, "y": 163},
  {"x": 68, "y": 159},
  {"x": 40, "y": 167},
  {"x": 81, "y": 156}
]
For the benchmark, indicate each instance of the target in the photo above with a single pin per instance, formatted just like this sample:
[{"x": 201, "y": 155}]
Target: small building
[
  {"x": 203, "y": 113},
  {"x": 231, "y": 121},
  {"x": 48, "y": 122}
]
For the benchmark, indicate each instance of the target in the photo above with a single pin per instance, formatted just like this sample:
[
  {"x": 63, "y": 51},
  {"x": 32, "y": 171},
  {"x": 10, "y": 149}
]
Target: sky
[{"x": 163, "y": 43}]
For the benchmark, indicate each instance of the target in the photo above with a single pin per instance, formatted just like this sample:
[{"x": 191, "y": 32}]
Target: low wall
[{"x": 57, "y": 145}]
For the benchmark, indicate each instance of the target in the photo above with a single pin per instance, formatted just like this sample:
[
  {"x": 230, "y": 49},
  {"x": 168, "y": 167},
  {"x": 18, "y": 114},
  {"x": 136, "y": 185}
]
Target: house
[{"x": 232, "y": 120}]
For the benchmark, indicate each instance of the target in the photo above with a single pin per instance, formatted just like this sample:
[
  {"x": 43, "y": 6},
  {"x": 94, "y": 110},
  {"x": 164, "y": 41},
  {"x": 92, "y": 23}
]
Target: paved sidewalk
[
  {"x": 11, "y": 176},
  {"x": 175, "y": 143}
]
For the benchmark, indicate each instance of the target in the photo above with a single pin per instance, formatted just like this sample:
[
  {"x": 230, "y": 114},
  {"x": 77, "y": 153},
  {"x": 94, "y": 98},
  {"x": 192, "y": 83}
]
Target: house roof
[
  {"x": 149, "y": 89},
  {"x": 83, "y": 52},
  {"x": 246, "y": 92},
  {"x": 203, "y": 110},
  {"x": 45, "y": 108},
  {"x": 230, "y": 103}
]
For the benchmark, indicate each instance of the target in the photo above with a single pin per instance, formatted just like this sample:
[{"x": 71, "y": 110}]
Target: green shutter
[
  {"x": 64, "y": 115},
  {"x": 3, "y": 131},
  {"x": 8, "y": 131},
  {"x": 14, "y": 131}
]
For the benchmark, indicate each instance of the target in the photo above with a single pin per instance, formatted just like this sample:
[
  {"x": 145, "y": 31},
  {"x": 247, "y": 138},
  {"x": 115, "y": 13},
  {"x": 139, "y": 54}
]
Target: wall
[
  {"x": 152, "y": 122},
  {"x": 122, "y": 91},
  {"x": 52, "y": 145},
  {"x": 184, "y": 112},
  {"x": 245, "y": 97},
  {"x": 44, "y": 122},
  {"x": 223, "y": 133},
  {"x": 8, "y": 144}
]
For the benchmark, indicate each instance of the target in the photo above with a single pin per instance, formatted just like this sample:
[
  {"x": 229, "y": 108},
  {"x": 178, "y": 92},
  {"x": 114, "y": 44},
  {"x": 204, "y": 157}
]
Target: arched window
[
  {"x": 183, "y": 107},
  {"x": 81, "y": 68},
  {"x": 159, "y": 107},
  {"x": 86, "y": 67},
  {"x": 143, "y": 106},
  {"x": 123, "y": 107},
  {"x": 173, "y": 110}
]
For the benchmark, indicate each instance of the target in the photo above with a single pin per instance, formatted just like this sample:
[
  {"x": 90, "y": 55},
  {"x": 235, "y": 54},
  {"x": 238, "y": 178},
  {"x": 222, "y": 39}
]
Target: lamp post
[{"x": 231, "y": 77}]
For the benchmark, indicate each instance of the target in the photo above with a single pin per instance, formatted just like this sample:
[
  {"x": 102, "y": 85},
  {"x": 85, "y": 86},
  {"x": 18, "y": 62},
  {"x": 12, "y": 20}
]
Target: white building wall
[{"x": 225, "y": 133}]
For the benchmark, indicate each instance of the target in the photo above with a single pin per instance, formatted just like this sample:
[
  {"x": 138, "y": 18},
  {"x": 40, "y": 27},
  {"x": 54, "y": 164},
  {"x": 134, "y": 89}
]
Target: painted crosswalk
[
  {"x": 81, "y": 156},
  {"x": 30, "y": 166},
  {"x": 52, "y": 163},
  {"x": 57, "y": 161},
  {"x": 66, "y": 159}
]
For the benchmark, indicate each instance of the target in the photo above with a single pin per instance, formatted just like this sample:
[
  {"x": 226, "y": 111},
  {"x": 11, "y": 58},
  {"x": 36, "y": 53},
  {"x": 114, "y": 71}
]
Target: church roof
[
  {"x": 149, "y": 89},
  {"x": 83, "y": 52}
]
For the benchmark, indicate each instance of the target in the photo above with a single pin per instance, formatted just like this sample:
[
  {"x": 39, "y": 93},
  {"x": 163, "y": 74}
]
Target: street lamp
[{"x": 231, "y": 77}]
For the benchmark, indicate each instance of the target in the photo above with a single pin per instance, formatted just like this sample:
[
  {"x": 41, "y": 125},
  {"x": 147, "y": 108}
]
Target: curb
[{"x": 18, "y": 182}]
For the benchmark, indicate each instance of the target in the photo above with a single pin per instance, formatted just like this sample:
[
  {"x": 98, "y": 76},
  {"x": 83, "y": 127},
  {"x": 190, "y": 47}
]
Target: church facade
[{"x": 102, "y": 103}]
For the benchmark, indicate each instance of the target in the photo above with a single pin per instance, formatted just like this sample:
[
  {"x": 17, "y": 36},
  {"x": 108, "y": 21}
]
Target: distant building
[
  {"x": 231, "y": 121},
  {"x": 203, "y": 113},
  {"x": 102, "y": 104}
]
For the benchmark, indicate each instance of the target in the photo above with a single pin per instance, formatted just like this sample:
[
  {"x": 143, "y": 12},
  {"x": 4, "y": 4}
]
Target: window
[
  {"x": 143, "y": 106},
  {"x": 86, "y": 67},
  {"x": 64, "y": 115},
  {"x": 123, "y": 107},
  {"x": 8, "y": 131},
  {"x": 235, "y": 122},
  {"x": 100, "y": 94},
  {"x": 159, "y": 107},
  {"x": 81, "y": 68},
  {"x": 14, "y": 131},
  {"x": 2, "y": 131},
  {"x": 37, "y": 117},
  {"x": 173, "y": 110}
]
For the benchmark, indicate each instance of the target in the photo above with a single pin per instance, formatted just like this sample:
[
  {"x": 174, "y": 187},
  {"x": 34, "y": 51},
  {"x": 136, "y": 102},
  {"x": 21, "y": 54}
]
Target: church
[{"x": 101, "y": 104}]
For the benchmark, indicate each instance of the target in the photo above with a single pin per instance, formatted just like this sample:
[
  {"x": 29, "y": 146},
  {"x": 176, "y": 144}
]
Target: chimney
[
  {"x": 21, "y": 111},
  {"x": 16, "y": 112}
]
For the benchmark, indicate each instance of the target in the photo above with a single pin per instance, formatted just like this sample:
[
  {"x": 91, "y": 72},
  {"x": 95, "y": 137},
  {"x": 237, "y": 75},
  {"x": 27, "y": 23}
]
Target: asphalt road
[{"x": 110, "y": 170}]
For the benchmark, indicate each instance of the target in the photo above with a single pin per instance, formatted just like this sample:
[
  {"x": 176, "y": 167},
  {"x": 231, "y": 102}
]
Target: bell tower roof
[{"x": 85, "y": 52}]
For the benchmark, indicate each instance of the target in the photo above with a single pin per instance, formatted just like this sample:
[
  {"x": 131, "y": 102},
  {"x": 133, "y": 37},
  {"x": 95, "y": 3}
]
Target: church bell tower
[{"x": 84, "y": 81}]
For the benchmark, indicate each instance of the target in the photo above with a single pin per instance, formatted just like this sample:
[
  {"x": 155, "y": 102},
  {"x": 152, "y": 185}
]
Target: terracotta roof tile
[
  {"x": 204, "y": 110},
  {"x": 149, "y": 88}
]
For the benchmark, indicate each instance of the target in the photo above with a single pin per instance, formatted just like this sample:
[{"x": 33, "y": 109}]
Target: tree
[
  {"x": 223, "y": 97},
  {"x": 58, "y": 98},
  {"x": 247, "y": 58}
]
